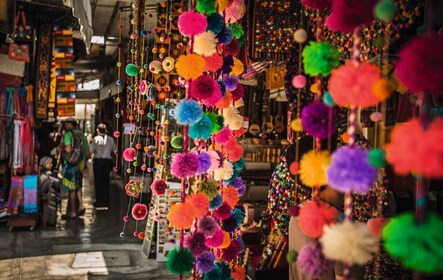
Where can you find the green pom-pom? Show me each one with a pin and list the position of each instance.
(217, 122)
(328, 100)
(177, 142)
(180, 262)
(241, 41)
(206, 6)
(418, 246)
(209, 188)
(131, 70)
(237, 30)
(385, 10)
(291, 256)
(376, 158)
(320, 58)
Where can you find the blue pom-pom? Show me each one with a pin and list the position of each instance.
(225, 36)
(239, 215)
(222, 87)
(328, 100)
(201, 129)
(214, 274)
(188, 112)
(240, 164)
(215, 23)
(216, 202)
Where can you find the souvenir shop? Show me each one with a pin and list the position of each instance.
(276, 139)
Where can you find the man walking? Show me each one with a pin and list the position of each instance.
(101, 149)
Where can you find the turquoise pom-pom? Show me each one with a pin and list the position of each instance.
(201, 129)
(376, 158)
(188, 112)
(328, 100)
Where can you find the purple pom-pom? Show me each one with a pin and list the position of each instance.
(229, 224)
(196, 243)
(185, 165)
(208, 226)
(239, 185)
(205, 162)
(350, 170)
(318, 4)
(230, 82)
(230, 253)
(205, 262)
(345, 17)
(312, 262)
(225, 36)
(315, 120)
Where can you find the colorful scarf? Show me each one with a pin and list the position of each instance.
(30, 194)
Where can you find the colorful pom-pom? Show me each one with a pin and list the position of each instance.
(299, 81)
(230, 82)
(185, 165)
(195, 242)
(291, 256)
(232, 48)
(190, 66)
(350, 170)
(205, 44)
(328, 100)
(131, 70)
(320, 59)
(216, 202)
(158, 187)
(200, 202)
(239, 216)
(209, 188)
(376, 158)
(205, 162)
(232, 251)
(129, 154)
(345, 17)
(215, 22)
(217, 122)
(207, 225)
(385, 10)
(300, 35)
(205, 262)
(139, 211)
(230, 196)
(180, 261)
(177, 142)
(201, 129)
(205, 89)
(418, 246)
(314, 216)
(213, 62)
(188, 112)
(239, 185)
(216, 240)
(317, 121)
(181, 215)
(312, 262)
(223, 212)
(191, 23)
(229, 224)
(206, 6)
(313, 167)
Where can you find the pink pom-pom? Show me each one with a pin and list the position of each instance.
(238, 92)
(376, 116)
(205, 89)
(158, 187)
(129, 154)
(223, 136)
(351, 85)
(314, 215)
(216, 160)
(116, 134)
(192, 23)
(223, 212)
(376, 225)
(234, 12)
(232, 48)
(421, 64)
(213, 62)
(345, 17)
(299, 81)
(318, 4)
(216, 240)
(185, 165)
(201, 203)
(233, 150)
(125, 218)
(414, 150)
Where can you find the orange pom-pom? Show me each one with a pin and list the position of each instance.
(226, 240)
(200, 202)
(225, 101)
(230, 195)
(376, 225)
(382, 89)
(314, 215)
(294, 168)
(182, 215)
(213, 62)
(238, 273)
(345, 137)
(233, 149)
(190, 66)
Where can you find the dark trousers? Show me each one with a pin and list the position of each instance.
(102, 168)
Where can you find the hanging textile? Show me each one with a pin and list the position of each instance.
(23, 149)
(15, 201)
(30, 194)
(16, 151)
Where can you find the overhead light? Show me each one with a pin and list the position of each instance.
(99, 40)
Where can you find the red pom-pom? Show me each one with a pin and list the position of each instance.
(345, 17)
(139, 211)
(205, 89)
(223, 212)
(200, 202)
(376, 225)
(213, 62)
(314, 215)
(294, 168)
(233, 150)
(238, 92)
(232, 48)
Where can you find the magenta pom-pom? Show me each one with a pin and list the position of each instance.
(294, 210)
(238, 92)
(185, 165)
(196, 243)
(216, 240)
(158, 187)
(205, 89)
(316, 121)
(299, 81)
(345, 16)
(192, 23)
(350, 170)
(129, 154)
(421, 64)
(116, 134)
(312, 262)
(125, 218)
(223, 136)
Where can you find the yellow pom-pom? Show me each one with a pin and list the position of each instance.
(238, 67)
(296, 125)
(382, 89)
(313, 168)
(230, 195)
(190, 66)
(182, 215)
(314, 89)
(226, 240)
(222, 5)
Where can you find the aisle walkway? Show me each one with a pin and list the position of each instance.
(86, 248)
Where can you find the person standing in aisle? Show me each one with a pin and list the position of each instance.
(75, 152)
(101, 149)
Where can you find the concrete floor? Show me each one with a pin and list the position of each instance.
(89, 247)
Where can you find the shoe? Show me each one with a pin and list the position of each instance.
(81, 211)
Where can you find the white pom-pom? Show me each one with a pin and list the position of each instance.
(232, 118)
(205, 43)
(350, 243)
(225, 172)
(300, 35)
